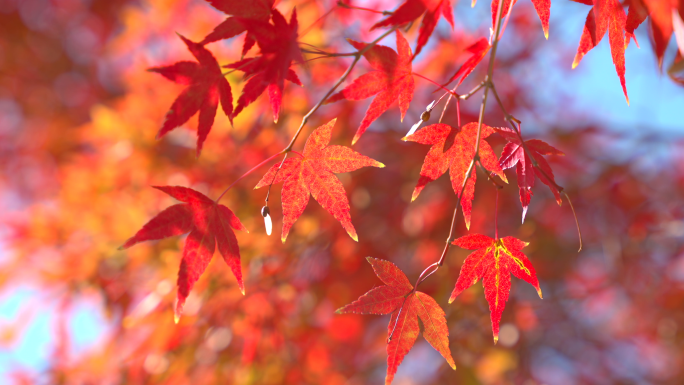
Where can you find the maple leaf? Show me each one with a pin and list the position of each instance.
(278, 47)
(206, 86)
(312, 174)
(478, 49)
(391, 80)
(412, 9)
(605, 15)
(662, 14)
(636, 15)
(452, 149)
(407, 306)
(210, 226)
(543, 8)
(493, 262)
(514, 154)
(259, 10)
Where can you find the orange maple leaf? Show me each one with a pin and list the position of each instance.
(312, 174)
(407, 306)
(391, 80)
(452, 149)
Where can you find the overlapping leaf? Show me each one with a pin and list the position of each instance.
(210, 225)
(493, 262)
(206, 86)
(240, 10)
(665, 16)
(267, 72)
(606, 15)
(412, 9)
(478, 49)
(543, 8)
(636, 15)
(407, 307)
(453, 149)
(514, 154)
(313, 175)
(391, 80)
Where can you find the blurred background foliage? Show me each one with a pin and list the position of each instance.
(78, 119)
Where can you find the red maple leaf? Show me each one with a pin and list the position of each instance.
(514, 154)
(407, 306)
(312, 174)
(267, 72)
(543, 8)
(391, 80)
(635, 16)
(206, 85)
(210, 225)
(492, 262)
(478, 49)
(452, 149)
(605, 15)
(662, 26)
(412, 9)
(259, 10)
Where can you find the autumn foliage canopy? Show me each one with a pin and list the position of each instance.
(300, 96)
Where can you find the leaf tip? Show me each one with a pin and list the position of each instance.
(575, 63)
(546, 33)
(354, 236)
(496, 338)
(380, 165)
(178, 310)
(415, 194)
(540, 293)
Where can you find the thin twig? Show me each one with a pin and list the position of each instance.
(247, 173)
(579, 232)
(476, 158)
(437, 84)
(357, 57)
(510, 119)
(344, 5)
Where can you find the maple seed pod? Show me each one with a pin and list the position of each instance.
(266, 213)
(425, 116)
